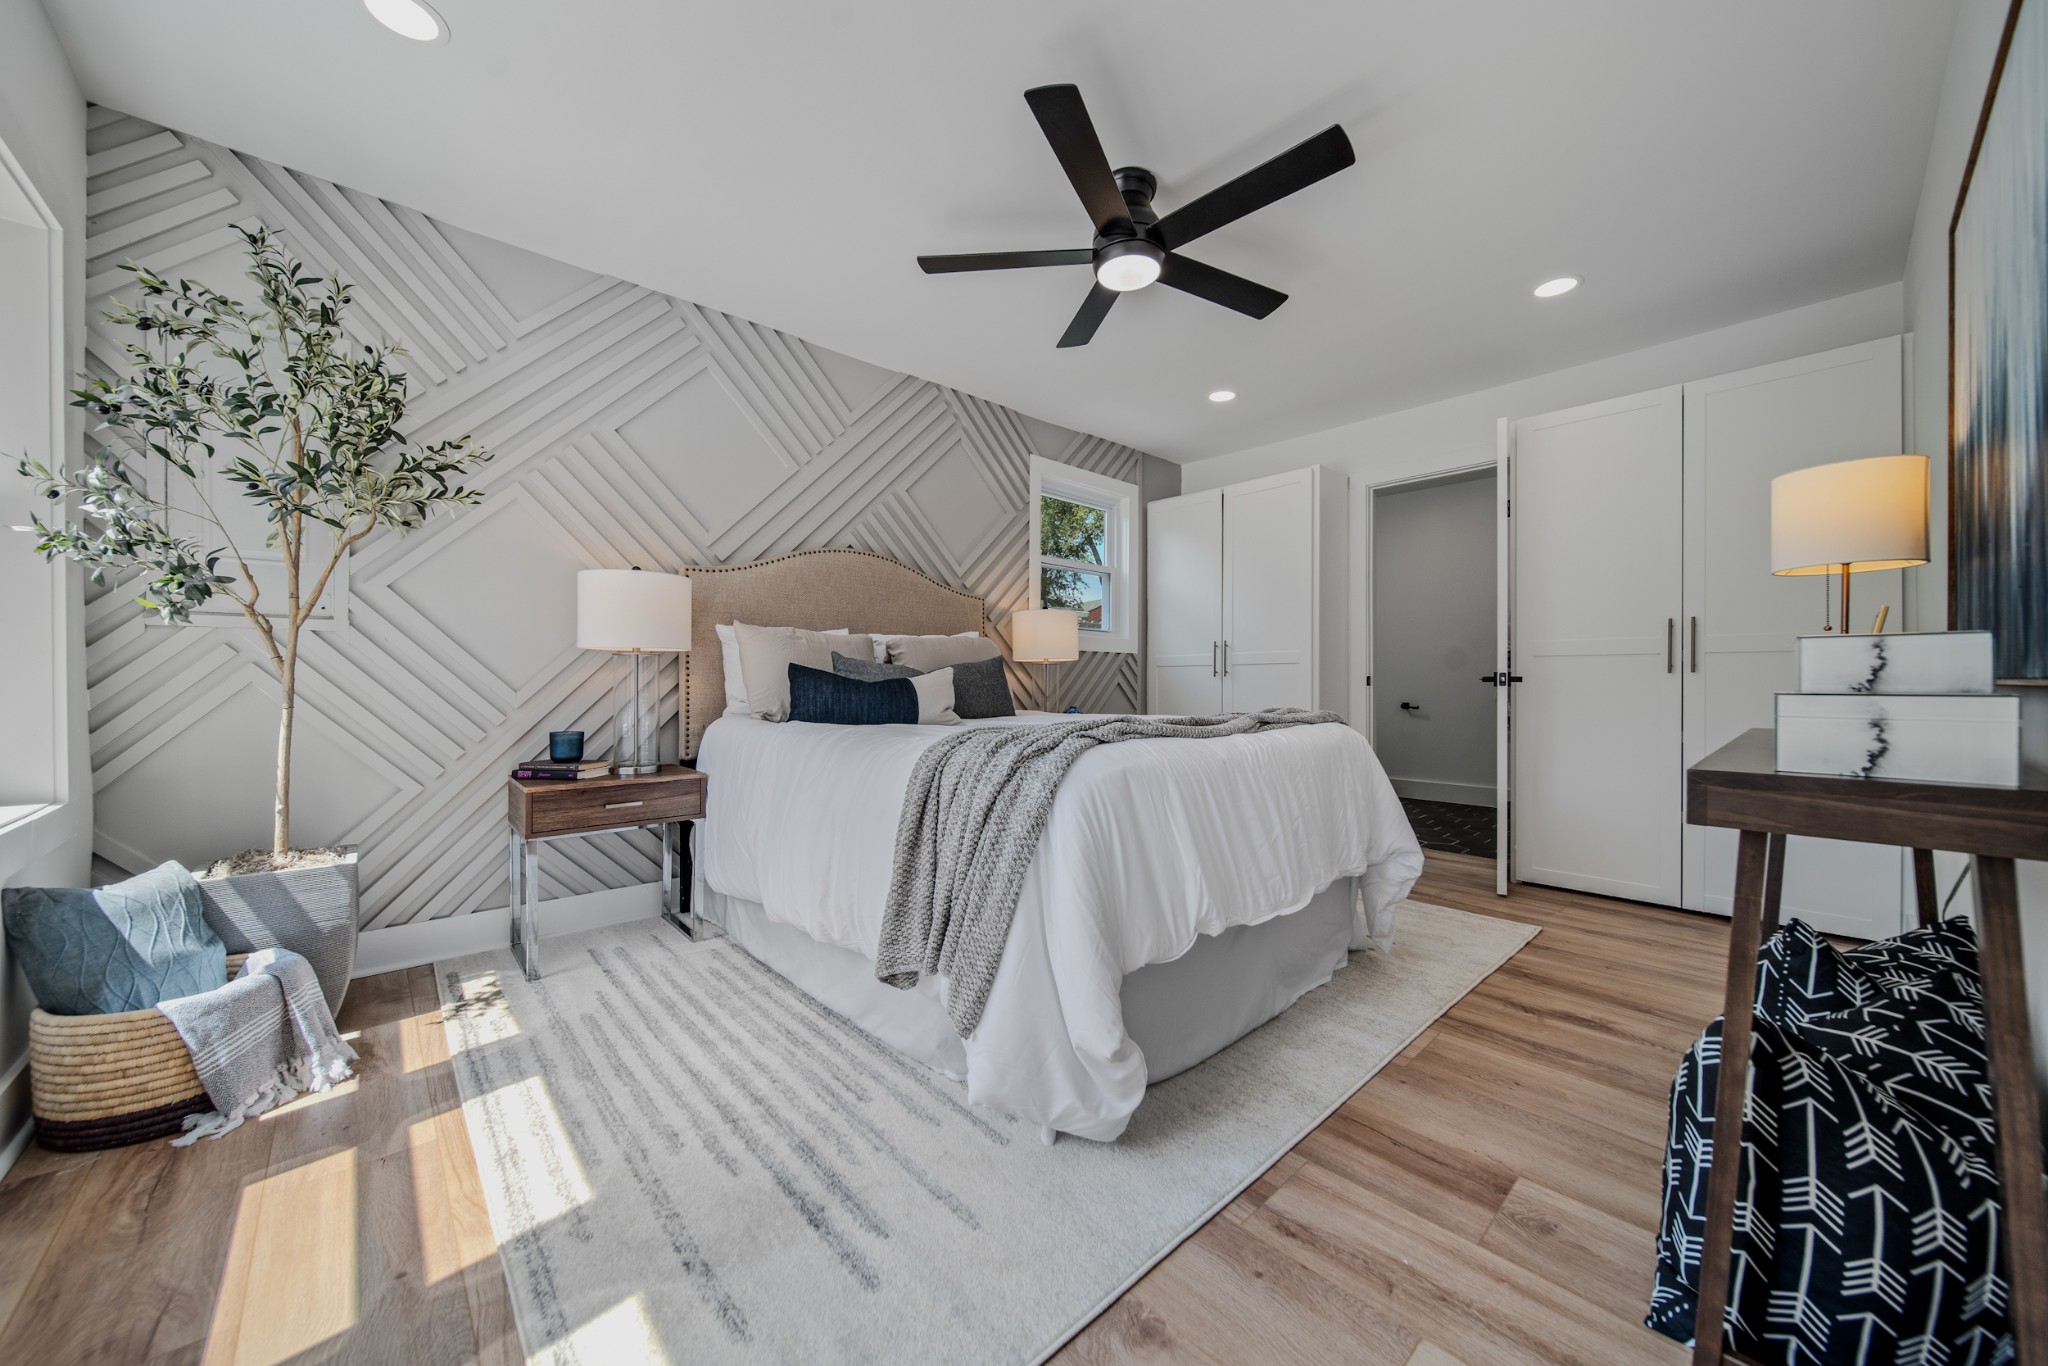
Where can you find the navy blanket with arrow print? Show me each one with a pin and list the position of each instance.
(1867, 1223)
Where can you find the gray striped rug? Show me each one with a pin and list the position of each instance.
(687, 1159)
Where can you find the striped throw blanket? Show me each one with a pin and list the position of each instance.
(258, 1041)
(976, 805)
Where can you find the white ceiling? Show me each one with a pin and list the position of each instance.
(1699, 163)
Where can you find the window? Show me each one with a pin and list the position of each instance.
(1083, 530)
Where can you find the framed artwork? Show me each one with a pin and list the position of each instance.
(1998, 360)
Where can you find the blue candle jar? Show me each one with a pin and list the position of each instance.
(565, 746)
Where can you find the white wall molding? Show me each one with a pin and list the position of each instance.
(629, 428)
(1431, 790)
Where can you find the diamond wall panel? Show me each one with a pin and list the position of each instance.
(630, 428)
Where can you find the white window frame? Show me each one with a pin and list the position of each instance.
(1123, 570)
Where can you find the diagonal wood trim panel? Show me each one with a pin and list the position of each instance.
(631, 428)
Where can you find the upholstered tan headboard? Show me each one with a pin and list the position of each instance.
(817, 590)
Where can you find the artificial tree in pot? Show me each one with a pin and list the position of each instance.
(276, 402)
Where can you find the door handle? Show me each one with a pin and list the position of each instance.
(1670, 643)
(1213, 670)
(1226, 659)
(1692, 647)
(1409, 706)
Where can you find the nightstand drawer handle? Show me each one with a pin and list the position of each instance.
(614, 806)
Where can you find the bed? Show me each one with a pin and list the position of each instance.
(1184, 891)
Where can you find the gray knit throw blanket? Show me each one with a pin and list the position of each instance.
(258, 1041)
(976, 805)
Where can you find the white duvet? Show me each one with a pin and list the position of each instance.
(1151, 843)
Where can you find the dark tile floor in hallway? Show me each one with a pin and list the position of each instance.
(1451, 826)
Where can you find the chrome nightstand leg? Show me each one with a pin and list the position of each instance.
(512, 880)
(529, 912)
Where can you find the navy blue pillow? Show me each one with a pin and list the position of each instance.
(830, 700)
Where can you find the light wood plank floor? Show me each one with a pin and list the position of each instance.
(1490, 1197)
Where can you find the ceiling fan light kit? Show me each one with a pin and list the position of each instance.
(1135, 247)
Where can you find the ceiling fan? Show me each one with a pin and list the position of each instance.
(1134, 246)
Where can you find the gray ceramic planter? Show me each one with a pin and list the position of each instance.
(311, 911)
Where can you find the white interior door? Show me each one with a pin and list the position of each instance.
(1184, 617)
(1270, 545)
(1741, 431)
(1596, 722)
(1503, 653)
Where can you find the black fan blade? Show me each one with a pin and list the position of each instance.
(1004, 260)
(1072, 135)
(1297, 168)
(1219, 286)
(1094, 309)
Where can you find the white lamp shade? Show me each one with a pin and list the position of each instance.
(1865, 514)
(632, 609)
(1045, 635)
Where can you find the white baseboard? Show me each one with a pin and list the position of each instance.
(408, 946)
(1430, 790)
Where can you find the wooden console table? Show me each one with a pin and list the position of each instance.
(1738, 787)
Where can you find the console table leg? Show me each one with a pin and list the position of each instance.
(1774, 886)
(1926, 896)
(2017, 1105)
(1731, 1091)
(518, 947)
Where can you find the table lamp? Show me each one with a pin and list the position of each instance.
(1046, 635)
(1853, 516)
(634, 613)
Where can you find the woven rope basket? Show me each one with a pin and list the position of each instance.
(101, 1081)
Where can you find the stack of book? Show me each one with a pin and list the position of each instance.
(1919, 706)
(544, 768)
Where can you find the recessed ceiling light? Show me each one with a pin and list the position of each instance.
(1222, 395)
(413, 19)
(1563, 284)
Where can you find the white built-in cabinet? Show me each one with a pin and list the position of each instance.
(1648, 629)
(1246, 600)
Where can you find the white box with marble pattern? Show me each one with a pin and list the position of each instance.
(1904, 662)
(1951, 739)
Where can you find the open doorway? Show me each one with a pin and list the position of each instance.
(1433, 621)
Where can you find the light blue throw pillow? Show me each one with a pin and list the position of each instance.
(122, 947)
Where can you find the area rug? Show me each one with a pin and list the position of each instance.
(687, 1159)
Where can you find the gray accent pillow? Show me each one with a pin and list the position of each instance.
(981, 689)
(925, 653)
(868, 671)
(97, 951)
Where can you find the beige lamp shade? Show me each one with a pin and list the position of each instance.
(632, 610)
(1855, 514)
(1045, 635)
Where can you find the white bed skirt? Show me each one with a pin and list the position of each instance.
(1178, 1012)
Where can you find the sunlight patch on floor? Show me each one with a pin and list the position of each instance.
(622, 1333)
(290, 1282)
(535, 1143)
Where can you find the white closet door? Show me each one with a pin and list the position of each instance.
(1270, 545)
(1597, 785)
(1741, 431)
(1184, 595)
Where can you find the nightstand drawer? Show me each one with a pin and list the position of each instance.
(539, 810)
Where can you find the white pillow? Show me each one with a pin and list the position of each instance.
(735, 677)
(882, 643)
(935, 698)
(766, 652)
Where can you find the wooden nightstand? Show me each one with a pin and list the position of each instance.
(552, 810)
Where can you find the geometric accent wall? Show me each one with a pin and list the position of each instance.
(630, 428)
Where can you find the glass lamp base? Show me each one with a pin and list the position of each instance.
(636, 720)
